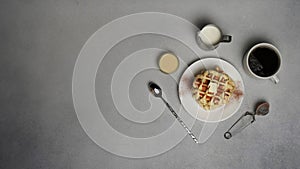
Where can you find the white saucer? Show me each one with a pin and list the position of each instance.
(193, 108)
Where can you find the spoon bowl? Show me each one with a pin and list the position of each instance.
(262, 109)
(155, 89)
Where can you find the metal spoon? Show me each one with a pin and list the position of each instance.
(247, 119)
(157, 92)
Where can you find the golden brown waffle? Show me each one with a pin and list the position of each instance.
(212, 89)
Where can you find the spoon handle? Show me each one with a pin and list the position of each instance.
(180, 121)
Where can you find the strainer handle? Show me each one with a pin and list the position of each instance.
(245, 120)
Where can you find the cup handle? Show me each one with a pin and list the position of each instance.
(226, 38)
(275, 79)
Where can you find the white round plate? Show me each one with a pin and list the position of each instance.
(193, 108)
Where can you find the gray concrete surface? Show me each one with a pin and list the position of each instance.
(40, 41)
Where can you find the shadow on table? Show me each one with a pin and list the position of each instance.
(201, 22)
(253, 41)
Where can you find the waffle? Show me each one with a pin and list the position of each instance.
(212, 89)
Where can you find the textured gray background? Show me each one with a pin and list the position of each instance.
(40, 41)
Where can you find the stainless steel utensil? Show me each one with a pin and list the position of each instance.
(157, 92)
(247, 119)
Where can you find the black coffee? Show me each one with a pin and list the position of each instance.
(263, 61)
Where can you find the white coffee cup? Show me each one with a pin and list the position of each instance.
(260, 57)
(210, 36)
